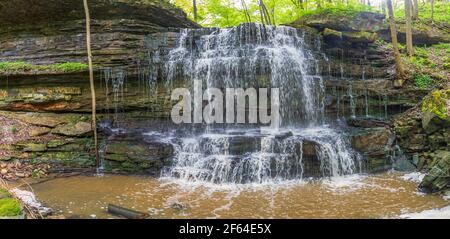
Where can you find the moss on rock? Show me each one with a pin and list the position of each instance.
(10, 207)
(437, 103)
(435, 113)
(21, 68)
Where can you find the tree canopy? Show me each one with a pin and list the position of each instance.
(226, 13)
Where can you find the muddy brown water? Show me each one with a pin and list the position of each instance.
(378, 196)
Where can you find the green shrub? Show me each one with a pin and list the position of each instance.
(423, 81)
(422, 61)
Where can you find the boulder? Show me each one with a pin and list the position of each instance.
(438, 177)
(435, 113)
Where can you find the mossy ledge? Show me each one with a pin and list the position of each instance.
(17, 68)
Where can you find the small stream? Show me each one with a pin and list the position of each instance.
(385, 195)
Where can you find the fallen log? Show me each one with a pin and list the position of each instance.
(126, 213)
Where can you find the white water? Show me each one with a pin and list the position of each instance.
(252, 55)
(441, 213)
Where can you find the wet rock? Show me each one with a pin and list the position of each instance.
(372, 140)
(78, 129)
(238, 145)
(135, 157)
(284, 135)
(178, 206)
(402, 164)
(309, 149)
(366, 123)
(438, 177)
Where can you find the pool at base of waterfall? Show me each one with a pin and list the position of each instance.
(386, 195)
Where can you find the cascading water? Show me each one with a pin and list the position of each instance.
(253, 55)
(256, 56)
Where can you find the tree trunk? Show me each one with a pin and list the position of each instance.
(248, 18)
(194, 4)
(415, 15)
(265, 17)
(91, 80)
(409, 44)
(126, 213)
(393, 27)
(432, 9)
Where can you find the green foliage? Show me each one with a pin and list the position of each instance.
(443, 46)
(225, 13)
(422, 61)
(436, 103)
(69, 67)
(441, 11)
(9, 207)
(431, 59)
(20, 66)
(222, 13)
(423, 81)
(340, 9)
(14, 66)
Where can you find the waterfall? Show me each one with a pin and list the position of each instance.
(253, 55)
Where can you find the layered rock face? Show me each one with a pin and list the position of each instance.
(45, 114)
(53, 31)
(360, 70)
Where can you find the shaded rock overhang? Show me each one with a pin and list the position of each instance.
(33, 12)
